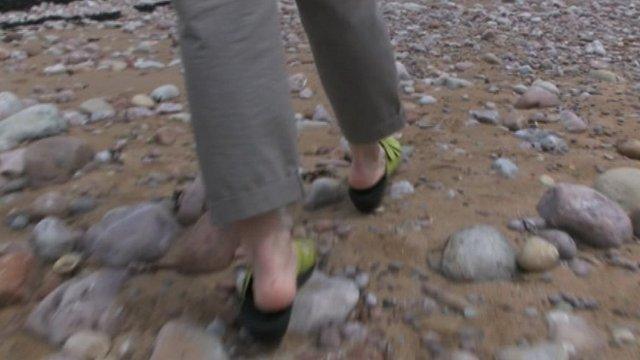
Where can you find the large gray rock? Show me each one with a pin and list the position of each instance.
(52, 238)
(542, 351)
(179, 340)
(575, 334)
(322, 301)
(478, 253)
(586, 214)
(621, 185)
(132, 234)
(56, 159)
(9, 104)
(31, 123)
(87, 303)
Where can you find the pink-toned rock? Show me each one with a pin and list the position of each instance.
(16, 274)
(537, 97)
(56, 159)
(192, 202)
(572, 123)
(199, 250)
(586, 214)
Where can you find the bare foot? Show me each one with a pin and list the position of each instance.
(367, 165)
(267, 240)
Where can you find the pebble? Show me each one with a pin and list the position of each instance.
(541, 351)
(89, 304)
(514, 121)
(52, 238)
(297, 82)
(486, 116)
(9, 104)
(621, 185)
(623, 336)
(478, 253)
(131, 234)
(57, 69)
(54, 160)
(67, 263)
(306, 93)
(537, 97)
(142, 100)
(323, 300)
(574, 333)
(401, 189)
(98, 109)
(562, 241)
(51, 203)
(362, 280)
(354, 332)
(165, 93)
(403, 74)
(604, 75)
(324, 192)
(427, 100)
(546, 85)
(82, 205)
(90, 345)
(585, 214)
(630, 148)
(144, 64)
(18, 222)
(538, 255)
(572, 123)
(580, 267)
(180, 340)
(321, 114)
(547, 180)
(169, 108)
(505, 167)
(16, 274)
(34, 122)
(491, 58)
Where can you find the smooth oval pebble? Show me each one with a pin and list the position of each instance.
(143, 100)
(538, 255)
(67, 263)
(630, 148)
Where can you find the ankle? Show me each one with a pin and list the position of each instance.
(363, 154)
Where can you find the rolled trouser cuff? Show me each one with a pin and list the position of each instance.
(273, 195)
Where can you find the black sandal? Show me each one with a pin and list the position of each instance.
(367, 200)
(269, 328)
